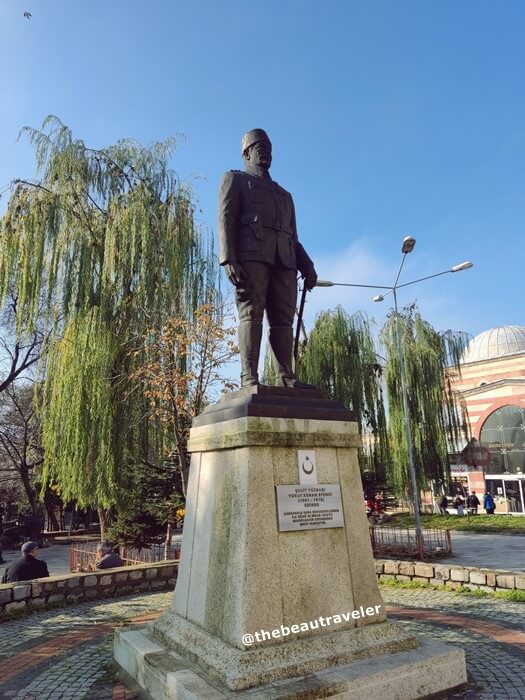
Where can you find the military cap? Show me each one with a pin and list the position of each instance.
(252, 137)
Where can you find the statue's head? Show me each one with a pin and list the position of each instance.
(256, 148)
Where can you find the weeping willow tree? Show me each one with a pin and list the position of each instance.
(340, 359)
(107, 238)
(436, 419)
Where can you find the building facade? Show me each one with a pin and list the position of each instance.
(492, 384)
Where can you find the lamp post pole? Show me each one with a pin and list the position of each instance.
(407, 247)
(408, 429)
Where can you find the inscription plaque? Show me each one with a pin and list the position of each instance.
(312, 507)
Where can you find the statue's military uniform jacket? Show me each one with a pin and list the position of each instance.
(257, 223)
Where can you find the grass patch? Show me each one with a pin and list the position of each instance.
(516, 596)
(392, 583)
(503, 524)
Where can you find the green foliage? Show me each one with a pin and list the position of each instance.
(107, 238)
(340, 359)
(152, 502)
(504, 524)
(415, 584)
(514, 595)
(270, 375)
(435, 421)
(82, 404)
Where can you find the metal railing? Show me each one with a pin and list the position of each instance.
(388, 541)
(83, 557)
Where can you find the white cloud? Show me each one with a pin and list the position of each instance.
(442, 304)
(354, 265)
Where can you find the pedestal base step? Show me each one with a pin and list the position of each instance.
(432, 668)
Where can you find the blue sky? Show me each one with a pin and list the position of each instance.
(388, 118)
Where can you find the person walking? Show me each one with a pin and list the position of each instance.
(443, 505)
(488, 503)
(27, 567)
(458, 504)
(473, 503)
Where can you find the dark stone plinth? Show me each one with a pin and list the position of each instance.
(274, 402)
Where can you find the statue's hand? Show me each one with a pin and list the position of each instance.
(310, 278)
(235, 273)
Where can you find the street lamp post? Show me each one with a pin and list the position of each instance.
(408, 427)
(407, 247)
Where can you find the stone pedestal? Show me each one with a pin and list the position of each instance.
(309, 598)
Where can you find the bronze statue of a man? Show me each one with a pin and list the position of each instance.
(261, 253)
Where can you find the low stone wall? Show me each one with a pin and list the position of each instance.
(76, 588)
(450, 575)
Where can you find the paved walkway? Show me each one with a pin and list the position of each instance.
(67, 653)
(490, 630)
(489, 551)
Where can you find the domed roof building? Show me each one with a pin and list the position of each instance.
(492, 384)
(494, 343)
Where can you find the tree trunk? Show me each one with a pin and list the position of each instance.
(167, 541)
(52, 520)
(104, 519)
(30, 493)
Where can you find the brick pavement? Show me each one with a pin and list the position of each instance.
(490, 630)
(67, 652)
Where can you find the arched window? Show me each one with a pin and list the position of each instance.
(504, 434)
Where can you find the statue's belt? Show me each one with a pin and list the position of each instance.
(274, 223)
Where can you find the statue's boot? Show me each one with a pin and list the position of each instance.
(281, 342)
(250, 334)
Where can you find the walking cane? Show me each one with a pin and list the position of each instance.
(299, 324)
